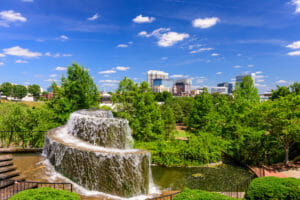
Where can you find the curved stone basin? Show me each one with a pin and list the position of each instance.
(121, 172)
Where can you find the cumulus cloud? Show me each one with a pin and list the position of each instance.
(66, 55)
(178, 76)
(122, 46)
(258, 72)
(237, 66)
(122, 68)
(281, 81)
(205, 22)
(164, 58)
(294, 53)
(18, 51)
(2, 55)
(140, 19)
(57, 55)
(64, 37)
(219, 73)
(1, 63)
(60, 68)
(201, 50)
(297, 4)
(107, 72)
(9, 16)
(166, 38)
(108, 81)
(260, 80)
(53, 75)
(30, 1)
(94, 17)
(294, 45)
(21, 61)
(215, 54)
(51, 80)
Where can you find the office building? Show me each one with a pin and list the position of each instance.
(239, 78)
(161, 85)
(220, 90)
(183, 87)
(153, 74)
(229, 86)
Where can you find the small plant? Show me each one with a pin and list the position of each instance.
(188, 194)
(45, 194)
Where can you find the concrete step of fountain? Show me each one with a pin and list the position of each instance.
(7, 169)
(6, 163)
(4, 158)
(18, 178)
(10, 174)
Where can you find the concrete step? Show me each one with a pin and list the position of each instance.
(6, 163)
(8, 175)
(7, 157)
(7, 169)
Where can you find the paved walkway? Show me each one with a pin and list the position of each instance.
(267, 172)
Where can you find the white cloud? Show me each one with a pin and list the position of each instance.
(21, 61)
(260, 85)
(9, 16)
(109, 81)
(260, 80)
(201, 50)
(239, 54)
(66, 55)
(2, 55)
(194, 46)
(140, 19)
(122, 45)
(237, 66)
(94, 17)
(281, 81)
(178, 76)
(294, 53)
(250, 65)
(130, 42)
(219, 73)
(51, 80)
(258, 72)
(166, 38)
(205, 22)
(164, 58)
(64, 37)
(53, 75)
(1, 63)
(109, 84)
(215, 54)
(122, 68)
(18, 51)
(297, 4)
(61, 68)
(259, 76)
(294, 45)
(107, 72)
(28, 1)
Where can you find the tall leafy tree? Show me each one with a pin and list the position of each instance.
(6, 88)
(35, 90)
(19, 91)
(169, 119)
(281, 91)
(246, 90)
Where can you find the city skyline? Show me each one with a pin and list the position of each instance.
(209, 42)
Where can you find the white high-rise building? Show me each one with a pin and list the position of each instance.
(153, 74)
(239, 78)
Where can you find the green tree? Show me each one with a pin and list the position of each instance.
(6, 89)
(246, 90)
(281, 91)
(77, 91)
(137, 104)
(35, 90)
(169, 120)
(19, 91)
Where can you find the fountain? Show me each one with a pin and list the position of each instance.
(94, 150)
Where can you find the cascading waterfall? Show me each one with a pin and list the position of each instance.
(94, 149)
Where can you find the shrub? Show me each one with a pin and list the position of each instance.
(267, 188)
(45, 194)
(188, 194)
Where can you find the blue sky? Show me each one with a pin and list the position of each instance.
(209, 41)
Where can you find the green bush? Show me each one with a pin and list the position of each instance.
(45, 194)
(273, 188)
(188, 194)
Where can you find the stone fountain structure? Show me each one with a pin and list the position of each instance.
(94, 150)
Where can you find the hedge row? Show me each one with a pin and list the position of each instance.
(188, 194)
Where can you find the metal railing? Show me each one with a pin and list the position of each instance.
(13, 187)
(238, 190)
(24, 139)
